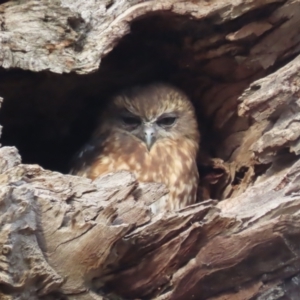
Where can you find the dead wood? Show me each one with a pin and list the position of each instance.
(66, 237)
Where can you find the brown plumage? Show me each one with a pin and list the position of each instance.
(151, 131)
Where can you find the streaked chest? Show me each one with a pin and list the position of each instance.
(166, 162)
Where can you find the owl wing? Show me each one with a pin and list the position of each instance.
(85, 157)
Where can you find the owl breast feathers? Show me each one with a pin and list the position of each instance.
(151, 131)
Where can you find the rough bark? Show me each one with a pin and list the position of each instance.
(65, 237)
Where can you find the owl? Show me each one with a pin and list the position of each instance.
(152, 132)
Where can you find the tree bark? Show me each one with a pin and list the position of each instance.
(66, 237)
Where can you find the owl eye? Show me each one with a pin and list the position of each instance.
(166, 121)
(131, 121)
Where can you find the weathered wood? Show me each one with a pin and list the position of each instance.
(65, 237)
(64, 36)
(91, 243)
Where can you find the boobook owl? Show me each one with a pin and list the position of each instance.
(151, 131)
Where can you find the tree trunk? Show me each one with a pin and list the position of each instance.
(66, 237)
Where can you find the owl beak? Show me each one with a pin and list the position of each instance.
(150, 136)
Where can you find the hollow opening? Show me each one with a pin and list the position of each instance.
(48, 117)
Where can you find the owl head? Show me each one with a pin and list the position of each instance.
(152, 114)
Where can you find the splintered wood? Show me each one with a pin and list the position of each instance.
(66, 237)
